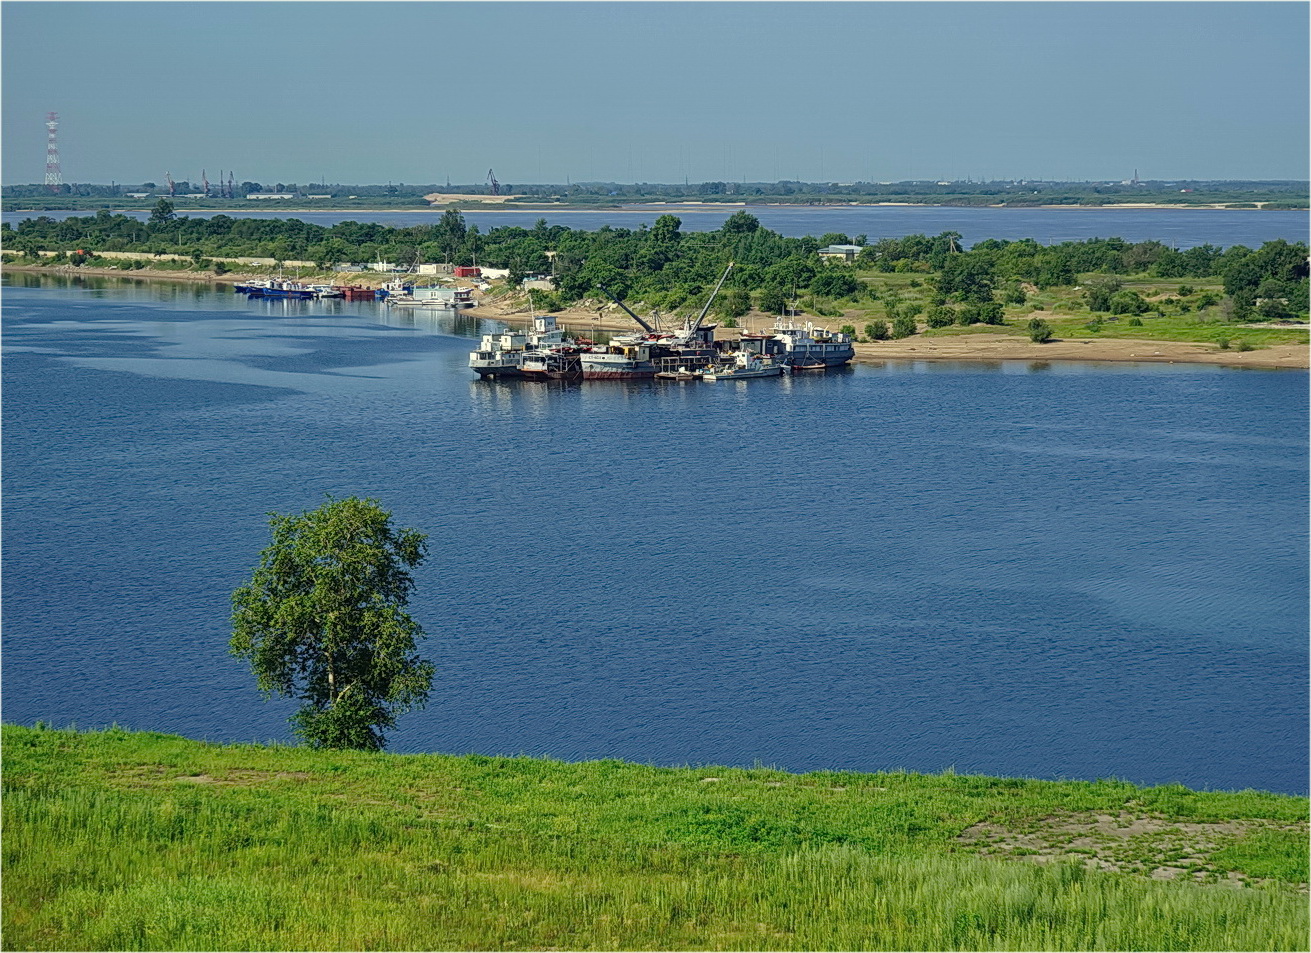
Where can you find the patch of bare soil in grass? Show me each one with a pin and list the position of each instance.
(1155, 847)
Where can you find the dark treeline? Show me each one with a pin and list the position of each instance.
(1271, 193)
(668, 269)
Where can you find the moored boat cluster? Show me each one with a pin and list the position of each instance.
(394, 292)
(545, 353)
(687, 353)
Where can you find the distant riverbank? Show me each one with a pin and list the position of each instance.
(480, 205)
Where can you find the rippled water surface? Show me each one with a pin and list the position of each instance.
(1047, 570)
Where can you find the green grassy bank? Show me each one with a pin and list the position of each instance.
(121, 840)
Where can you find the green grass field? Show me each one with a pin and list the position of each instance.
(119, 840)
(1066, 310)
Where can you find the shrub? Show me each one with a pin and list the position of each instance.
(835, 284)
(903, 327)
(877, 330)
(772, 300)
(1223, 343)
(1126, 302)
(1100, 291)
(734, 304)
(849, 330)
(1094, 325)
(1135, 322)
(941, 317)
(1245, 345)
(1185, 290)
(1040, 332)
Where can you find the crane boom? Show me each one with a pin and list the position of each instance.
(631, 313)
(702, 316)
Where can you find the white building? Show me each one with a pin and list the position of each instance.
(845, 252)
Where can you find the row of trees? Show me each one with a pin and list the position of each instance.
(670, 270)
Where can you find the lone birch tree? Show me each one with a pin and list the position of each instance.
(324, 619)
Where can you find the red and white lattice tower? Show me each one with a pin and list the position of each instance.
(54, 178)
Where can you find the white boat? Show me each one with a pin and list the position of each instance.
(327, 291)
(743, 366)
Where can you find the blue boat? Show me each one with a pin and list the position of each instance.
(276, 288)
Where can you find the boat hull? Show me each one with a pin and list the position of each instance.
(611, 374)
(808, 358)
(615, 367)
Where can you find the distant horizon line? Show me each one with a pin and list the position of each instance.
(689, 184)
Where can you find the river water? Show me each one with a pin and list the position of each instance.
(1031, 569)
(1180, 228)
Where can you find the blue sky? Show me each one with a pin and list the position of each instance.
(420, 92)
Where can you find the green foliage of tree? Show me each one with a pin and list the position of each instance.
(1128, 302)
(324, 620)
(968, 278)
(903, 326)
(835, 282)
(1099, 291)
(877, 330)
(740, 222)
(733, 303)
(941, 317)
(163, 213)
(772, 300)
(657, 263)
(1040, 332)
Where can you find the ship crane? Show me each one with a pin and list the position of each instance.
(691, 329)
(702, 316)
(496, 186)
(631, 313)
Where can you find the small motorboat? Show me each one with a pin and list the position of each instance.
(745, 364)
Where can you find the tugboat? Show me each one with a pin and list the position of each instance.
(802, 347)
(550, 355)
(499, 354)
(542, 353)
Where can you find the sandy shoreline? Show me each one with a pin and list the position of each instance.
(919, 347)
